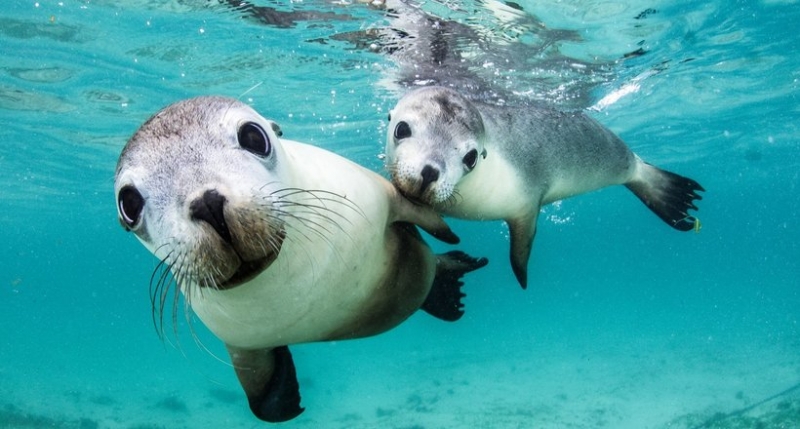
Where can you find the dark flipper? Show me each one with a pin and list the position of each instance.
(522, 231)
(444, 299)
(668, 195)
(269, 379)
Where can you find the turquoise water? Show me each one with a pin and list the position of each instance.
(626, 323)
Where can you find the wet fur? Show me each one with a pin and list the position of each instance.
(532, 156)
(340, 251)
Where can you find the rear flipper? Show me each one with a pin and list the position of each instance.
(668, 195)
(444, 299)
(270, 382)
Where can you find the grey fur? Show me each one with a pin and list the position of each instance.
(530, 156)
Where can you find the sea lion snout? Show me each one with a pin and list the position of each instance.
(428, 185)
(429, 175)
(244, 251)
(234, 236)
(209, 208)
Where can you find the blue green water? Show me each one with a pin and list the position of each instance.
(626, 323)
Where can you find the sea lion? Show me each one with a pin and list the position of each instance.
(275, 242)
(481, 161)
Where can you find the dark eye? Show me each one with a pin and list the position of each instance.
(402, 130)
(470, 159)
(130, 204)
(254, 139)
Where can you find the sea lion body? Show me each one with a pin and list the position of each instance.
(345, 281)
(480, 161)
(275, 242)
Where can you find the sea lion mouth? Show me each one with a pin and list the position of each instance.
(426, 199)
(412, 197)
(248, 270)
(415, 200)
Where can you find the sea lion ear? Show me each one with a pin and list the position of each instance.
(276, 128)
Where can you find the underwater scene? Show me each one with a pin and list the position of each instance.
(624, 322)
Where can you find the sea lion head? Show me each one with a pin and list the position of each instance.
(200, 185)
(435, 138)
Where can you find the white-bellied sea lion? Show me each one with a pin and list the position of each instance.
(274, 242)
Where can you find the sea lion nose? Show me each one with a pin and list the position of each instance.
(429, 175)
(208, 208)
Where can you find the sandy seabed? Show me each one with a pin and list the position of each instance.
(398, 381)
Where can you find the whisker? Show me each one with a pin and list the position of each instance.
(454, 199)
(179, 279)
(307, 217)
(321, 210)
(315, 209)
(159, 285)
(249, 90)
(390, 168)
(189, 291)
(166, 280)
(318, 218)
(308, 225)
(319, 195)
(303, 232)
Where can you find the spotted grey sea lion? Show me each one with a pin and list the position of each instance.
(274, 242)
(482, 161)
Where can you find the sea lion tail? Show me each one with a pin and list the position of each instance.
(668, 195)
(444, 299)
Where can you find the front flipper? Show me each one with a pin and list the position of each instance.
(522, 231)
(269, 380)
(425, 217)
(444, 299)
